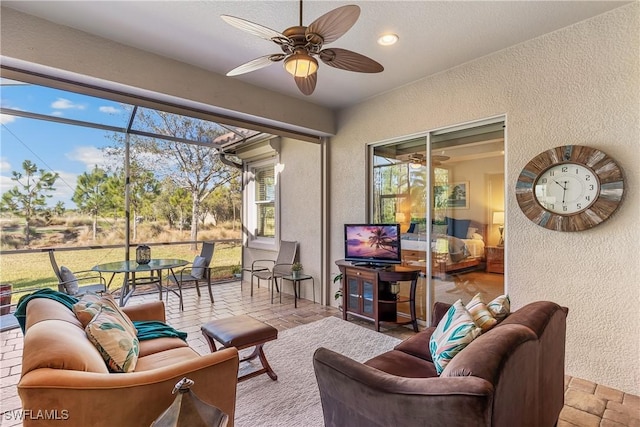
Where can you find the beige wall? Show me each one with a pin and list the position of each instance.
(578, 85)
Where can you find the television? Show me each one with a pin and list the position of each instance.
(375, 244)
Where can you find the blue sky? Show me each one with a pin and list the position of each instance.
(65, 149)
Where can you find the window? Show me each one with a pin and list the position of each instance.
(261, 203)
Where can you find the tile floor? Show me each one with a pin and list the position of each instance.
(586, 404)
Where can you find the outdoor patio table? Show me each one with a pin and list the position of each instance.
(132, 268)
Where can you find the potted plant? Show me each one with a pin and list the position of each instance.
(296, 270)
(338, 294)
(236, 270)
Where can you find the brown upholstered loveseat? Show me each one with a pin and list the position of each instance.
(512, 375)
(63, 373)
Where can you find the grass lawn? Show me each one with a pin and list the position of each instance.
(34, 270)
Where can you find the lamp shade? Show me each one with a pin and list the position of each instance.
(498, 218)
(300, 65)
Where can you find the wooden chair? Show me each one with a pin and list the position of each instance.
(390, 298)
(68, 279)
(190, 273)
(278, 268)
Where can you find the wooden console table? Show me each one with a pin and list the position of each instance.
(366, 293)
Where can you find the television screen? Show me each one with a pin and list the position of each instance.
(372, 243)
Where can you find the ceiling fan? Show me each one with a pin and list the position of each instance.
(419, 159)
(302, 44)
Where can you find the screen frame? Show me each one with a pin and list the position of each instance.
(376, 260)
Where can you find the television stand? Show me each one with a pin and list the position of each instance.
(366, 295)
(377, 266)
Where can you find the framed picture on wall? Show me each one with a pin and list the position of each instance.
(453, 195)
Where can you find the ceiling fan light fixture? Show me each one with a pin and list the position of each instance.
(301, 64)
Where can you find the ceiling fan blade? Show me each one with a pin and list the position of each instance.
(256, 64)
(255, 29)
(307, 84)
(350, 61)
(333, 24)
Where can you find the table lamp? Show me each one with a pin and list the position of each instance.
(498, 219)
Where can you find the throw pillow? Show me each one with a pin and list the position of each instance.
(197, 269)
(454, 332)
(500, 307)
(471, 231)
(90, 305)
(70, 281)
(117, 346)
(439, 229)
(480, 313)
(457, 227)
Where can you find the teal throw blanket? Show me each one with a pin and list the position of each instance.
(147, 329)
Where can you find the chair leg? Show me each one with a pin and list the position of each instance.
(210, 291)
(198, 288)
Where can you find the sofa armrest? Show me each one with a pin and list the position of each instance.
(153, 310)
(131, 399)
(358, 395)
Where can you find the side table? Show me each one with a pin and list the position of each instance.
(495, 259)
(296, 281)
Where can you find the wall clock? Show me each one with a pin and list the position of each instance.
(570, 188)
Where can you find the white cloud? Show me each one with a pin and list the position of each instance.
(108, 109)
(64, 188)
(6, 119)
(89, 155)
(65, 104)
(5, 166)
(6, 184)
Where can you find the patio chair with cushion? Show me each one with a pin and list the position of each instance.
(278, 268)
(199, 271)
(77, 283)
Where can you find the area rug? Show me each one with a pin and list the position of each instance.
(293, 400)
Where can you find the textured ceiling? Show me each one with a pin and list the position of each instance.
(434, 36)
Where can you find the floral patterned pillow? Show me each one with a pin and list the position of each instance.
(454, 332)
(113, 339)
(91, 304)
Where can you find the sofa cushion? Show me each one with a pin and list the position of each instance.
(59, 344)
(165, 358)
(157, 345)
(500, 307)
(401, 364)
(418, 344)
(454, 332)
(480, 313)
(114, 340)
(70, 281)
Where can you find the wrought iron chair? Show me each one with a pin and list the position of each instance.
(70, 282)
(198, 271)
(278, 268)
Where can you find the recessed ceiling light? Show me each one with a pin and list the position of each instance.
(387, 39)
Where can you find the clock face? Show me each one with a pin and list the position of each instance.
(570, 188)
(567, 188)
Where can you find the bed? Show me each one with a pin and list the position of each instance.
(457, 245)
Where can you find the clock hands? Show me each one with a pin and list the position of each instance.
(564, 188)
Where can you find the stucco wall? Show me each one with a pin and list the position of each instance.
(578, 85)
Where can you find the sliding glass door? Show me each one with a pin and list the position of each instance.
(446, 190)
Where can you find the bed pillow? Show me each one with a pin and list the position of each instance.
(71, 281)
(197, 269)
(116, 344)
(480, 313)
(454, 332)
(471, 231)
(500, 307)
(457, 227)
(439, 229)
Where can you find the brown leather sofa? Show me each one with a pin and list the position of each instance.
(63, 373)
(512, 375)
